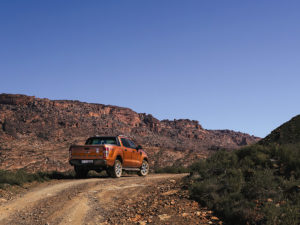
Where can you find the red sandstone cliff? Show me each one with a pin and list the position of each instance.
(35, 133)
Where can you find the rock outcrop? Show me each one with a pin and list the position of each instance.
(35, 133)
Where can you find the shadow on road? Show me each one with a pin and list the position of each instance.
(71, 175)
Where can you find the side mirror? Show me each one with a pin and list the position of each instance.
(139, 147)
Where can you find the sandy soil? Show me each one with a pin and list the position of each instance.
(127, 200)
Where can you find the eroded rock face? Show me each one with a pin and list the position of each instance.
(35, 133)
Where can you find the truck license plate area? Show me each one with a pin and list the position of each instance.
(86, 161)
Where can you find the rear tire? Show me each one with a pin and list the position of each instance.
(144, 170)
(80, 172)
(116, 170)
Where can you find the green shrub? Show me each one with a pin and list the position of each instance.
(254, 185)
(20, 177)
(17, 178)
(172, 169)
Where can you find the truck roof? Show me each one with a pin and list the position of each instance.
(109, 136)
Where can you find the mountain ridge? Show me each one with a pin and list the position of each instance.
(38, 127)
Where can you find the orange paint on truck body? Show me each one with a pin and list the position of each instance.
(101, 152)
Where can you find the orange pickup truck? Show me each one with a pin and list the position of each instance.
(113, 154)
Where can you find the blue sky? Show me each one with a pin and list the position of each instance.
(228, 64)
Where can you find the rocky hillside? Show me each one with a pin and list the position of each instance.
(287, 133)
(35, 133)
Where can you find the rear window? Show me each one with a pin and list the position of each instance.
(101, 141)
(132, 145)
(125, 142)
(128, 143)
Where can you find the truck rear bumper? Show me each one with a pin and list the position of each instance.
(93, 163)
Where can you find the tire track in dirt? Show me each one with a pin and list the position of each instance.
(36, 195)
(74, 202)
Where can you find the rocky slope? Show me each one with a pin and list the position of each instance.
(287, 133)
(35, 133)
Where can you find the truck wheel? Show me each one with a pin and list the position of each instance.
(116, 170)
(81, 172)
(144, 170)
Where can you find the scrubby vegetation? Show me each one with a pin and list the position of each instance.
(172, 169)
(287, 133)
(20, 177)
(259, 184)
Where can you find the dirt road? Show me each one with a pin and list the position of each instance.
(96, 201)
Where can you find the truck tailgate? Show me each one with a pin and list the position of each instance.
(86, 151)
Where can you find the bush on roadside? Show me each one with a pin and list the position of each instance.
(20, 177)
(254, 185)
(172, 169)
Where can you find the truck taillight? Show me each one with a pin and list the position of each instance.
(106, 152)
